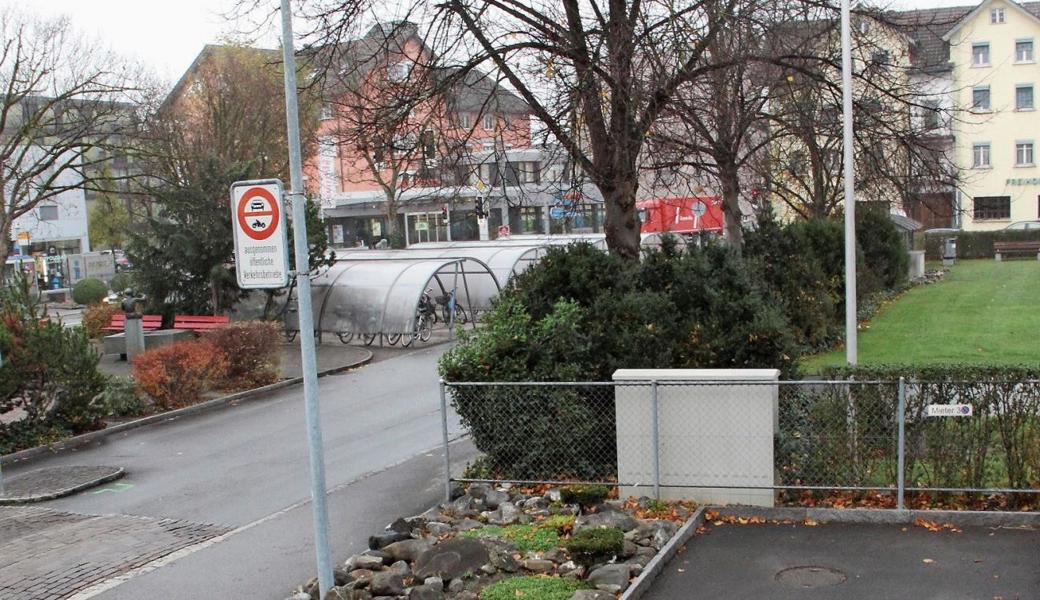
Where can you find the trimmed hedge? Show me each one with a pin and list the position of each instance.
(975, 244)
(89, 291)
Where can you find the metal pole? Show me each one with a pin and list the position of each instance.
(850, 188)
(444, 435)
(901, 450)
(656, 441)
(310, 373)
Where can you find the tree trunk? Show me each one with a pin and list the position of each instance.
(730, 180)
(622, 226)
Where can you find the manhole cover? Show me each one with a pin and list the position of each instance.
(810, 577)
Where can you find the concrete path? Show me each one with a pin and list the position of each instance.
(853, 562)
(245, 470)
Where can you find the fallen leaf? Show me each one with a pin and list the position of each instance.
(810, 523)
(681, 570)
(927, 561)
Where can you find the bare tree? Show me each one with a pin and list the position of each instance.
(63, 113)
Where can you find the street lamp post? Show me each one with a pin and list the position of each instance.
(850, 186)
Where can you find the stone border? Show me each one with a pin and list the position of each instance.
(117, 474)
(645, 581)
(202, 407)
(886, 516)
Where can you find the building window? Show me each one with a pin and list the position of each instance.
(464, 120)
(47, 213)
(997, 16)
(930, 114)
(980, 156)
(489, 122)
(326, 111)
(1024, 154)
(980, 98)
(1024, 51)
(980, 54)
(1024, 97)
(992, 207)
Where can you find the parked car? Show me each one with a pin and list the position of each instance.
(1024, 226)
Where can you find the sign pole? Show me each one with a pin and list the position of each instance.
(851, 341)
(303, 286)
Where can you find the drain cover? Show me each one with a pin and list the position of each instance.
(810, 577)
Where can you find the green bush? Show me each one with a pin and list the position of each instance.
(975, 244)
(883, 259)
(89, 291)
(561, 523)
(121, 398)
(527, 538)
(120, 282)
(533, 587)
(48, 376)
(590, 546)
(583, 494)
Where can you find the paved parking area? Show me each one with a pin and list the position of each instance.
(49, 554)
(853, 562)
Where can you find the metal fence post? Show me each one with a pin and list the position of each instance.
(655, 424)
(444, 434)
(901, 450)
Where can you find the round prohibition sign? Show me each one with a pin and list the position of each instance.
(257, 213)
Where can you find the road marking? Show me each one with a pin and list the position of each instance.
(103, 586)
(116, 488)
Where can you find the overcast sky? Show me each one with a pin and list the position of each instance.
(166, 35)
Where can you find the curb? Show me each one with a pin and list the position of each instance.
(645, 581)
(887, 516)
(195, 409)
(118, 474)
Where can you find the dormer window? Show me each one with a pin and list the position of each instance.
(997, 16)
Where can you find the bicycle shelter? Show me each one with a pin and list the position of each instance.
(379, 295)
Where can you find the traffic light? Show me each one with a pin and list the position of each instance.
(444, 211)
(478, 207)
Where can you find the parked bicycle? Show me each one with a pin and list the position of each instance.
(449, 304)
(425, 316)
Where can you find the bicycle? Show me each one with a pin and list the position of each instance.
(449, 305)
(425, 317)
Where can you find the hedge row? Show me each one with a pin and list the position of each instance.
(975, 244)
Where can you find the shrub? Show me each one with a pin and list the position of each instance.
(976, 244)
(48, 375)
(253, 350)
(590, 546)
(120, 282)
(560, 523)
(583, 494)
(527, 538)
(122, 398)
(533, 587)
(89, 291)
(96, 317)
(883, 257)
(176, 375)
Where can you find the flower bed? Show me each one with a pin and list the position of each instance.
(492, 543)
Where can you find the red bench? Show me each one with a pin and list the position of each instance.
(200, 324)
(118, 323)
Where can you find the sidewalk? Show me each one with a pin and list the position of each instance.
(853, 562)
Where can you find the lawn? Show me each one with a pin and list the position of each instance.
(984, 312)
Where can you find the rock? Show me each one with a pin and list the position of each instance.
(383, 556)
(538, 502)
(506, 514)
(539, 565)
(311, 588)
(495, 498)
(467, 524)
(541, 512)
(386, 583)
(554, 495)
(592, 595)
(488, 570)
(347, 593)
(451, 559)
(556, 555)
(433, 514)
(434, 582)
(401, 568)
(628, 549)
(456, 585)
(606, 518)
(360, 561)
(501, 553)
(407, 549)
(456, 491)
(663, 531)
(380, 541)
(609, 577)
(361, 578)
(467, 595)
(462, 505)
(478, 490)
(438, 529)
(425, 592)
(341, 575)
(400, 526)
(572, 569)
(299, 596)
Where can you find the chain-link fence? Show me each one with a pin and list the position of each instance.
(782, 439)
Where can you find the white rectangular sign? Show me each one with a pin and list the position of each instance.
(949, 410)
(261, 243)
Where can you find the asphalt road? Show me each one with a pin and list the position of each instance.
(246, 468)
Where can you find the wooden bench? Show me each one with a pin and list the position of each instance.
(118, 323)
(200, 324)
(1026, 247)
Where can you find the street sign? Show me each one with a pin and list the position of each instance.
(699, 208)
(558, 212)
(261, 242)
(503, 230)
(949, 410)
(422, 226)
